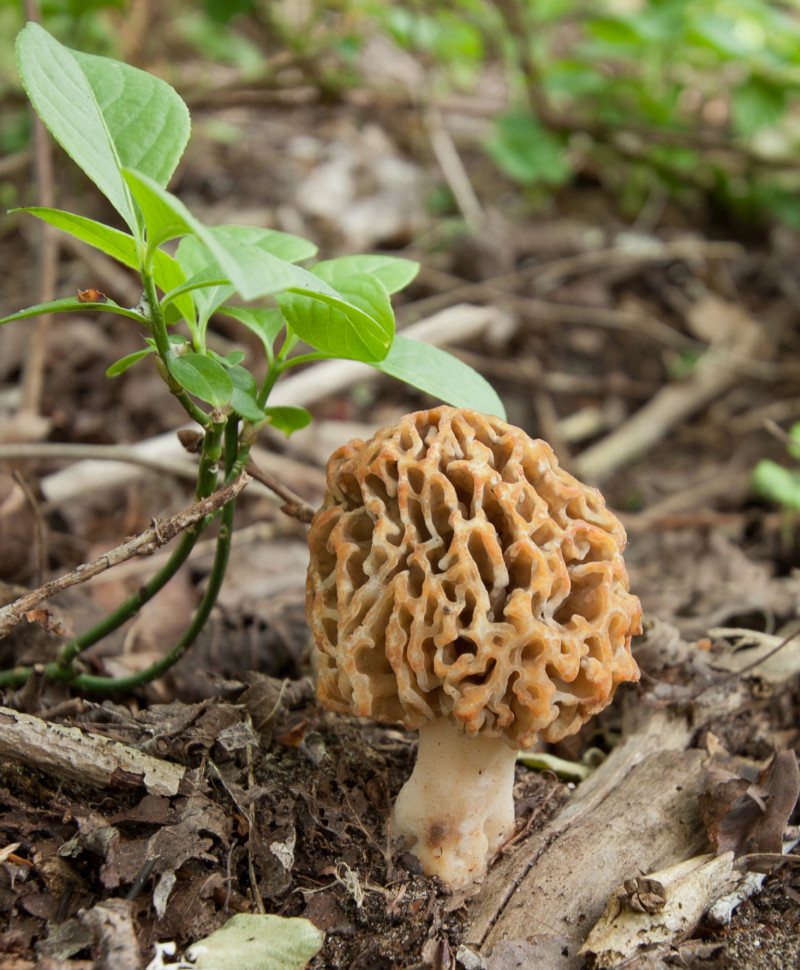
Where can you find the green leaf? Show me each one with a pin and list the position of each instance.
(250, 941)
(162, 220)
(357, 324)
(757, 103)
(367, 293)
(199, 264)
(242, 378)
(169, 277)
(105, 114)
(246, 406)
(731, 35)
(207, 280)
(70, 304)
(243, 400)
(776, 483)
(392, 271)
(122, 247)
(614, 30)
(119, 245)
(526, 151)
(793, 445)
(200, 267)
(253, 271)
(147, 119)
(121, 365)
(287, 418)
(438, 373)
(202, 377)
(265, 322)
(232, 359)
(223, 11)
(328, 328)
(575, 78)
(281, 244)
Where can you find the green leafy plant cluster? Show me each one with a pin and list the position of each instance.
(691, 97)
(127, 130)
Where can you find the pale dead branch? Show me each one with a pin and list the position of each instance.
(67, 752)
(671, 405)
(161, 532)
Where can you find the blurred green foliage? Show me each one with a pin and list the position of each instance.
(776, 483)
(688, 98)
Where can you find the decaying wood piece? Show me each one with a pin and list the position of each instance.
(636, 815)
(67, 752)
(678, 904)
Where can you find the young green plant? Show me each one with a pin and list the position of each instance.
(127, 130)
(776, 483)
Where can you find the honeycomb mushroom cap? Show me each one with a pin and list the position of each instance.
(457, 571)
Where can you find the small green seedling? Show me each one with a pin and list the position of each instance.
(127, 130)
(776, 483)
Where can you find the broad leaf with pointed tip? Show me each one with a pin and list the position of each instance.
(436, 372)
(70, 304)
(105, 114)
(113, 242)
(357, 324)
(356, 321)
(121, 365)
(162, 220)
(287, 418)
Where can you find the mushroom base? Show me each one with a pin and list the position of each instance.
(457, 808)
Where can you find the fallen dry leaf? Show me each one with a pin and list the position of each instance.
(46, 619)
(750, 816)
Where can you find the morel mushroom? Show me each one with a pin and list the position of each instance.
(465, 585)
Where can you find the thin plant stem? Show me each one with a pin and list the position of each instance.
(206, 484)
(90, 682)
(63, 668)
(208, 470)
(134, 602)
(276, 367)
(158, 328)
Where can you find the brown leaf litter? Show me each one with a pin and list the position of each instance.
(297, 829)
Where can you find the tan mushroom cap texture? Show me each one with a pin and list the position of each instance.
(457, 571)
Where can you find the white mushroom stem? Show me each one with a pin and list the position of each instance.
(457, 808)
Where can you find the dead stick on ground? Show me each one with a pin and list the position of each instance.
(161, 532)
(36, 358)
(453, 169)
(670, 406)
(69, 753)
